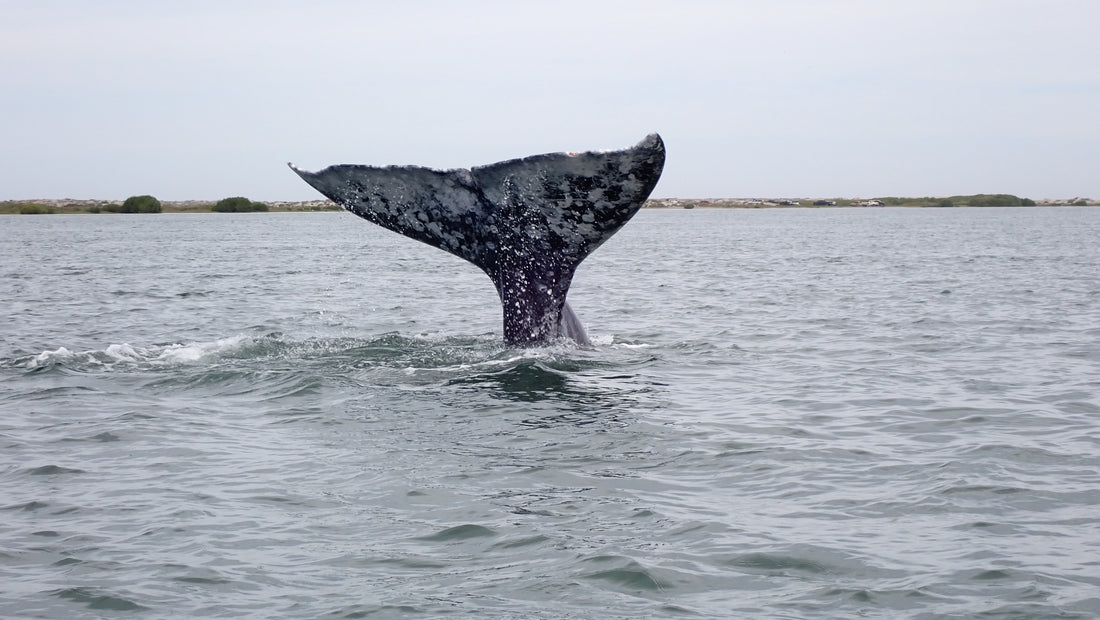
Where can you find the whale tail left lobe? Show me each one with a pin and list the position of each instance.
(527, 223)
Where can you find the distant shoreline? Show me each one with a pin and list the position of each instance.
(976, 200)
(71, 205)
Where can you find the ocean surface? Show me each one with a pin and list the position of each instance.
(803, 413)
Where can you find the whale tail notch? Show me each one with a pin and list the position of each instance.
(527, 223)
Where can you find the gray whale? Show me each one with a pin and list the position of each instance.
(527, 223)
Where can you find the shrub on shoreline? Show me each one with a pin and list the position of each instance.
(134, 204)
(237, 204)
(34, 209)
(993, 200)
(141, 204)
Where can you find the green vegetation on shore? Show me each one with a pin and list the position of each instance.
(29, 208)
(138, 204)
(133, 204)
(237, 204)
(973, 200)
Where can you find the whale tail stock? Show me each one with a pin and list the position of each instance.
(527, 223)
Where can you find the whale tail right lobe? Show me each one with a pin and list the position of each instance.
(527, 223)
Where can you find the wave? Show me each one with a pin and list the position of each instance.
(126, 354)
(294, 380)
(396, 368)
(431, 353)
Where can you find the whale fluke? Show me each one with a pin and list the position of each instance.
(527, 223)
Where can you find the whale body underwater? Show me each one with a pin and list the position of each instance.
(527, 223)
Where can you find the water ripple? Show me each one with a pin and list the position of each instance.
(796, 414)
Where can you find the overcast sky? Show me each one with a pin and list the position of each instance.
(762, 98)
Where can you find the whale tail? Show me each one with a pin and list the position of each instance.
(527, 223)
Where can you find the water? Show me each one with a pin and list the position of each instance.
(786, 414)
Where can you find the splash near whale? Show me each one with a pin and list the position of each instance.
(527, 223)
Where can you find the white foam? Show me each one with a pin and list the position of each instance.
(46, 358)
(610, 341)
(195, 351)
(125, 353)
